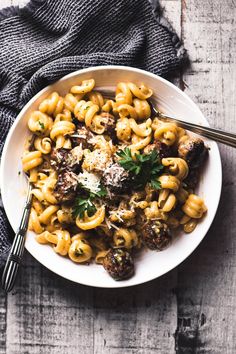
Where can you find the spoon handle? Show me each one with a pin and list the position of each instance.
(17, 249)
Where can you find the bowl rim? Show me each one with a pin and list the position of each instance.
(105, 68)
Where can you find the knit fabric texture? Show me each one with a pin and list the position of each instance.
(48, 39)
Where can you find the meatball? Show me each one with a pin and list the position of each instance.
(66, 186)
(74, 158)
(119, 264)
(191, 180)
(156, 235)
(193, 151)
(109, 124)
(162, 149)
(116, 179)
(58, 158)
(64, 159)
(82, 137)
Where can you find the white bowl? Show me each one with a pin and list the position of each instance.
(150, 264)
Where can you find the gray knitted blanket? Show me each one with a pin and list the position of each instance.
(48, 39)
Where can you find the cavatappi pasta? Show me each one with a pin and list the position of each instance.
(109, 177)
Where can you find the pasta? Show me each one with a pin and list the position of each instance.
(194, 206)
(123, 129)
(127, 238)
(176, 166)
(166, 200)
(91, 222)
(86, 86)
(44, 145)
(80, 251)
(166, 132)
(31, 160)
(40, 123)
(109, 177)
(52, 105)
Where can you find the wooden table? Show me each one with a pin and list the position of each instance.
(192, 309)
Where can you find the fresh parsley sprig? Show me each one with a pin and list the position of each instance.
(101, 193)
(145, 168)
(85, 203)
(81, 205)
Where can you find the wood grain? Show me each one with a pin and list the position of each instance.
(172, 12)
(3, 316)
(49, 314)
(138, 320)
(5, 3)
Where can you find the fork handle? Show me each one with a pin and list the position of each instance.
(211, 133)
(17, 249)
(13, 263)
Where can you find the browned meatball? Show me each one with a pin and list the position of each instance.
(192, 179)
(162, 149)
(82, 137)
(156, 235)
(119, 264)
(116, 179)
(109, 124)
(66, 186)
(58, 158)
(64, 159)
(193, 151)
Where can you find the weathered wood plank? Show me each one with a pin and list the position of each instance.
(172, 12)
(48, 314)
(5, 3)
(3, 315)
(136, 320)
(206, 281)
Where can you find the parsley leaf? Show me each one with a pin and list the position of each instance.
(101, 193)
(85, 203)
(42, 126)
(127, 161)
(81, 205)
(155, 184)
(145, 169)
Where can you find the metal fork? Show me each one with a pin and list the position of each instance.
(17, 249)
(214, 134)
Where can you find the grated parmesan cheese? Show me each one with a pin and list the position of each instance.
(89, 181)
(118, 214)
(110, 224)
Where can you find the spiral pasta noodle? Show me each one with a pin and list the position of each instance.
(176, 166)
(40, 123)
(194, 207)
(52, 105)
(166, 133)
(85, 87)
